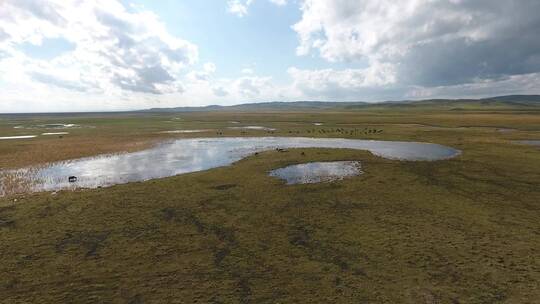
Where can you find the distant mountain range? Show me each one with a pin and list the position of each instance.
(498, 102)
(517, 98)
(273, 105)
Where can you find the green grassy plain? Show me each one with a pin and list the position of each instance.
(465, 230)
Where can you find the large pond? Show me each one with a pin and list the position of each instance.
(190, 155)
(317, 172)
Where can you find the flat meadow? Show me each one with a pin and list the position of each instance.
(461, 230)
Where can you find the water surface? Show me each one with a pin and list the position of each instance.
(253, 128)
(184, 131)
(317, 172)
(530, 142)
(190, 155)
(49, 126)
(17, 137)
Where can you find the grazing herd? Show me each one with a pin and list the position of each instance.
(343, 131)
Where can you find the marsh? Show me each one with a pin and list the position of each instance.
(191, 155)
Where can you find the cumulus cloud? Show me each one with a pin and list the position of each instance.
(349, 78)
(115, 49)
(349, 84)
(424, 43)
(220, 91)
(240, 8)
(247, 71)
(515, 84)
(58, 82)
(205, 74)
(104, 55)
(279, 2)
(248, 88)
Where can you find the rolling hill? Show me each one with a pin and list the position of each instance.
(493, 103)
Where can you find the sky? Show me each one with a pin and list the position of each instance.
(112, 55)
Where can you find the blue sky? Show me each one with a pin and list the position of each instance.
(263, 40)
(48, 49)
(92, 55)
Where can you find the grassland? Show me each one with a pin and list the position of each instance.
(465, 230)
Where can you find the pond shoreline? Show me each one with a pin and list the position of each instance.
(181, 156)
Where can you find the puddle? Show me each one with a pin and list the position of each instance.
(55, 133)
(253, 128)
(506, 130)
(59, 126)
(191, 155)
(528, 142)
(184, 131)
(17, 137)
(49, 126)
(317, 172)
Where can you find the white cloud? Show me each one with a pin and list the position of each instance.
(375, 75)
(208, 70)
(515, 84)
(374, 82)
(220, 91)
(428, 43)
(241, 7)
(126, 58)
(209, 67)
(252, 87)
(115, 50)
(238, 7)
(249, 88)
(279, 2)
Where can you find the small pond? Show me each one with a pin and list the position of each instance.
(253, 128)
(49, 126)
(54, 133)
(191, 155)
(530, 142)
(184, 131)
(317, 172)
(17, 137)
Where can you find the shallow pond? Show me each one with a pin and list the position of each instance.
(506, 130)
(190, 155)
(529, 142)
(54, 133)
(49, 126)
(184, 131)
(17, 137)
(253, 128)
(317, 172)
